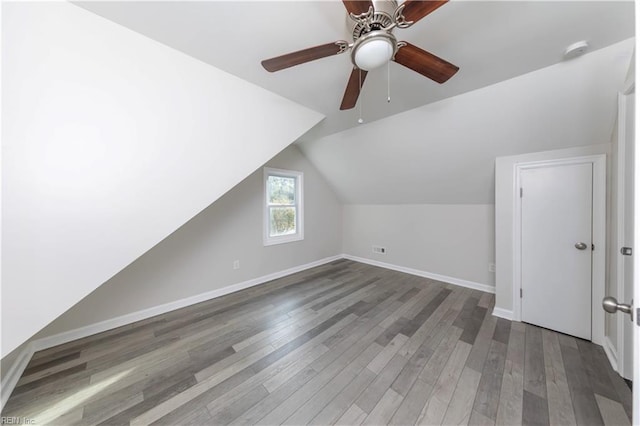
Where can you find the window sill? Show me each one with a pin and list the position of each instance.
(272, 241)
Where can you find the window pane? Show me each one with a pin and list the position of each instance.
(281, 190)
(282, 221)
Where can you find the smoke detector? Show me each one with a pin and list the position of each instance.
(576, 49)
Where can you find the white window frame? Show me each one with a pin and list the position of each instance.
(299, 205)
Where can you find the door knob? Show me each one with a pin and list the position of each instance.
(581, 246)
(611, 305)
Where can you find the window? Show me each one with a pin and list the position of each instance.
(283, 206)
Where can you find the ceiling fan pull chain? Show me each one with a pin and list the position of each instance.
(388, 82)
(360, 120)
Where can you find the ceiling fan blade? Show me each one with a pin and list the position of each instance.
(351, 93)
(357, 7)
(415, 10)
(425, 63)
(300, 57)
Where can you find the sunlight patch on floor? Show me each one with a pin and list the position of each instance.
(77, 399)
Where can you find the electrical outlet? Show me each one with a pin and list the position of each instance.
(492, 267)
(236, 264)
(379, 250)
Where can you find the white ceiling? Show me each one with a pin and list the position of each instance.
(489, 41)
(444, 152)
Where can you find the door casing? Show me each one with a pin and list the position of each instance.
(599, 213)
(621, 364)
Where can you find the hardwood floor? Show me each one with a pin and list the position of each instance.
(343, 343)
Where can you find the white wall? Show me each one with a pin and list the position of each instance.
(198, 257)
(504, 214)
(444, 152)
(456, 241)
(111, 141)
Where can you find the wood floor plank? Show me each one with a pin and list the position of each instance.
(70, 417)
(534, 410)
(339, 405)
(412, 404)
(52, 378)
(467, 311)
(585, 405)
(600, 381)
(624, 392)
(488, 394)
(289, 406)
(566, 340)
(412, 326)
(558, 394)
(480, 349)
(472, 327)
(353, 416)
(384, 409)
(105, 408)
(511, 392)
(424, 297)
(485, 300)
(442, 317)
(438, 360)
(299, 362)
(167, 407)
(225, 414)
(366, 329)
(341, 343)
(31, 369)
(349, 335)
(392, 331)
(323, 396)
(384, 356)
(613, 413)
(461, 404)
(438, 402)
(534, 377)
(104, 356)
(371, 396)
(286, 374)
(173, 386)
(269, 403)
(478, 419)
(502, 331)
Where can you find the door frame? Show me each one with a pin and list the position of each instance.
(599, 230)
(620, 366)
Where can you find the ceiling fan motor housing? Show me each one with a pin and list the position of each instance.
(372, 23)
(383, 11)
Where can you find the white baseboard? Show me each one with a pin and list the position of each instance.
(99, 327)
(503, 313)
(444, 278)
(14, 372)
(611, 352)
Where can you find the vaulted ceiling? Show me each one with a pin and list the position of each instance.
(515, 93)
(490, 41)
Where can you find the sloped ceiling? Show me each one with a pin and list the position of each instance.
(432, 143)
(490, 41)
(444, 152)
(110, 142)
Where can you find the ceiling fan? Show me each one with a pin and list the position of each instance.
(374, 44)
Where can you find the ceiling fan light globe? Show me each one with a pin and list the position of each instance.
(373, 53)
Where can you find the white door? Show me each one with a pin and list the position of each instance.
(627, 156)
(556, 226)
(636, 311)
(635, 334)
